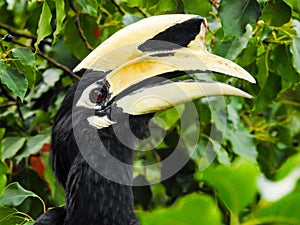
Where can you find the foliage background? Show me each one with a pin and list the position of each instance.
(254, 179)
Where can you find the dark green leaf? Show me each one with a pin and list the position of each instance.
(13, 195)
(44, 27)
(236, 14)
(291, 95)
(201, 210)
(231, 48)
(33, 145)
(198, 7)
(281, 64)
(11, 146)
(276, 13)
(15, 81)
(267, 94)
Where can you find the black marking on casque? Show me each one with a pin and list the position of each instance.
(175, 37)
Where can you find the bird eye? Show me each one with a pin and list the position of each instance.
(97, 95)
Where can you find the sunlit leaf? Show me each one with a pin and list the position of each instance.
(198, 7)
(89, 6)
(201, 210)
(295, 50)
(44, 27)
(60, 16)
(284, 211)
(164, 6)
(235, 185)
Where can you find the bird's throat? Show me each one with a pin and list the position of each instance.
(93, 199)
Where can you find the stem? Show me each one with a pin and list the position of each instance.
(120, 9)
(44, 205)
(78, 25)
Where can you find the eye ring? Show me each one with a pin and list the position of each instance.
(97, 95)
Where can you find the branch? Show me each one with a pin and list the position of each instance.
(19, 34)
(120, 9)
(142, 12)
(43, 55)
(78, 25)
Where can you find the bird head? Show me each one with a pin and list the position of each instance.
(139, 69)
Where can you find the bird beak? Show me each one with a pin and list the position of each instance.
(138, 74)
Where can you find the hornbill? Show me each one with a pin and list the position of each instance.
(136, 72)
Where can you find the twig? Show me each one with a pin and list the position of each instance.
(43, 55)
(19, 34)
(142, 12)
(78, 25)
(7, 105)
(120, 9)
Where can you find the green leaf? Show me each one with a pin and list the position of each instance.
(27, 60)
(284, 211)
(44, 27)
(241, 141)
(72, 39)
(9, 216)
(50, 77)
(232, 47)
(25, 55)
(33, 145)
(168, 118)
(235, 185)
(281, 64)
(295, 50)
(276, 13)
(89, 6)
(2, 132)
(236, 14)
(60, 17)
(3, 178)
(291, 95)
(11, 146)
(267, 94)
(164, 6)
(248, 55)
(201, 210)
(15, 81)
(13, 195)
(198, 7)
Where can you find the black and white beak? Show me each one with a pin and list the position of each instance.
(143, 62)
